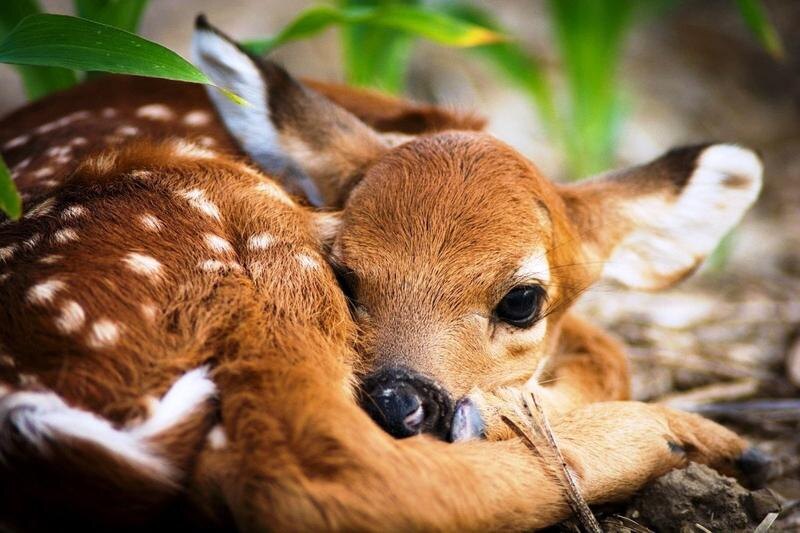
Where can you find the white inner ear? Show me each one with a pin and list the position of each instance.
(227, 66)
(674, 234)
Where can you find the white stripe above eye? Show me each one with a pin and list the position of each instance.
(535, 267)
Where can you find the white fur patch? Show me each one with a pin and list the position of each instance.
(261, 241)
(104, 334)
(42, 209)
(181, 400)
(145, 265)
(673, 236)
(535, 267)
(307, 261)
(7, 252)
(184, 148)
(197, 118)
(43, 172)
(31, 242)
(155, 112)
(65, 235)
(71, 318)
(73, 211)
(217, 243)
(45, 292)
(43, 419)
(217, 439)
(16, 142)
(150, 222)
(197, 199)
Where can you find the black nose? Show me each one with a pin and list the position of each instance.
(405, 403)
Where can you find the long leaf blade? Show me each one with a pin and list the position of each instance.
(79, 44)
(414, 20)
(10, 201)
(755, 18)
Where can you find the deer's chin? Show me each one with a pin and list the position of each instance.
(467, 422)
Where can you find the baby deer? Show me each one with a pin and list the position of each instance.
(461, 261)
(176, 350)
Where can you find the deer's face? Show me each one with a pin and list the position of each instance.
(448, 249)
(458, 257)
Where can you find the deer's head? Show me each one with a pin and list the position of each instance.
(458, 256)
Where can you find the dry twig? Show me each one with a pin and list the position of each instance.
(565, 475)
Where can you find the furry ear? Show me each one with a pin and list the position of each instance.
(291, 131)
(651, 226)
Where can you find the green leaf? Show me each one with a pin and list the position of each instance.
(590, 34)
(38, 81)
(10, 201)
(79, 44)
(755, 18)
(414, 20)
(123, 14)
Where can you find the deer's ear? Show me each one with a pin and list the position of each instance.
(289, 130)
(650, 226)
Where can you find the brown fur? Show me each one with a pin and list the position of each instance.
(300, 454)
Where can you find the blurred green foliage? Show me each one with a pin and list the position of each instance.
(378, 37)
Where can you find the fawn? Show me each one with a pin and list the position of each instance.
(461, 261)
(176, 349)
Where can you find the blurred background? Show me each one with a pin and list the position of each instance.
(595, 84)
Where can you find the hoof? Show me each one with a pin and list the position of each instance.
(755, 467)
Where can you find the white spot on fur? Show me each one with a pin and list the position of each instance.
(109, 112)
(22, 165)
(197, 199)
(32, 241)
(184, 148)
(65, 235)
(45, 292)
(7, 360)
(103, 163)
(4, 277)
(217, 243)
(143, 264)
(72, 317)
(127, 130)
(16, 141)
(149, 311)
(79, 141)
(306, 261)
(214, 265)
(51, 259)
(7, 252)
(150, 222)
(63, 121)
(104, 334)
(197, 118)
(155, 112)
(206, 141)
(261, 241)
(42, 209)
(43, 172)
(217, 439)
(73, 211)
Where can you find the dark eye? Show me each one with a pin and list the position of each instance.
(347, 280)
(521, 305)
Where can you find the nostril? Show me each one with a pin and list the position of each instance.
(414, 421)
